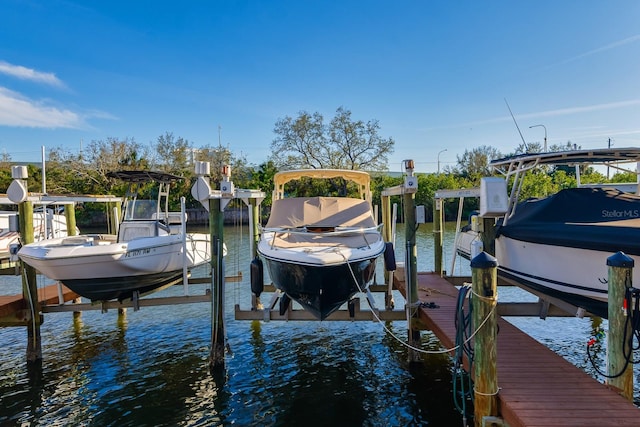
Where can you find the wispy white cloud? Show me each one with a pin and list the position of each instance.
(19, 111)
(542, 114)
(604, 48)
(558, 112)
(24, 73)
(580, 110)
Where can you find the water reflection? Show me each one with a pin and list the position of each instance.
(150, 367)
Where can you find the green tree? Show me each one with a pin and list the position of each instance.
(172, 155)
(474, 164)
(306, 142)
(262, 179)
(532, 147)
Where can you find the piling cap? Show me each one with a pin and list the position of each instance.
(620, 259)
(484, 260)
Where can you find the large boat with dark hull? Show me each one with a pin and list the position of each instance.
(558, 245)
(321, 250)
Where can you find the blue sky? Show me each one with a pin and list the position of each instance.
(435, 74)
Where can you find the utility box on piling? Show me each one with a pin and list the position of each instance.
(494, 200)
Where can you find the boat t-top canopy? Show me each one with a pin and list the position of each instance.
(144, 176)
(361, 178)
(601, 156)
(135, 179)
(517, 166)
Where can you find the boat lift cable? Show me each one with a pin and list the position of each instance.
(632, 303)
(374, 312)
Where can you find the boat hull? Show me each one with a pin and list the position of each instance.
(101, 269)
(122, 288)
(321, 290)
(577, 276)
(574, 275)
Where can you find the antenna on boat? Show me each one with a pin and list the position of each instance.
(526, 147)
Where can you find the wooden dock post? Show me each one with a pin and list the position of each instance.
(488, 235)
(407, 190)
(70, 218)
(19, 194)
(215, 201)
(619, 338)
(30, 286)
(385, 202)
(216, 224)
(254, 216)
(411, 263)
(485, 299)
(438, 214)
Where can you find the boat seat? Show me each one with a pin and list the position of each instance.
(130, 230)
(77, 240)
(173, 220)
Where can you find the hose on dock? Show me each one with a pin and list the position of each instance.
(632, 307)
(462, 380)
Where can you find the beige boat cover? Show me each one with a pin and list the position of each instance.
(297, 212)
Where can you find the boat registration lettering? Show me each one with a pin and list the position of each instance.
(137, 252)
(629, 213)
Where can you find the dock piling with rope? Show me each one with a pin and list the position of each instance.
(515, 380)
(535, 386)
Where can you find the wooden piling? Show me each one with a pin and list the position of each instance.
(216, 224)
(387, 234)
(254, 207)
(70, 218)
(484, 301)
(488, 235)
(30, 286)
(619, 338)
(411, 274)
(437, 235)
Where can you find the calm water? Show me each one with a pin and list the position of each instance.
(151, 367)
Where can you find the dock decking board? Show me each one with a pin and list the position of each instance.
(538, 388)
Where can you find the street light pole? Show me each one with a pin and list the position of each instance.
(545, 135)
(440, 152)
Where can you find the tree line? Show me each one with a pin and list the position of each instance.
(304, 141)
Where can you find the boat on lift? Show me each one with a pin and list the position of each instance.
(558, 245)
(150, 251)
(321, 250)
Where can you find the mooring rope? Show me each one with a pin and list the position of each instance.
(374, 312)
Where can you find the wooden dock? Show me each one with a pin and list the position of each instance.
(538, 388)
(14, 309)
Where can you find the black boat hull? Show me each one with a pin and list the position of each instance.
(122, 288)
(321, 289)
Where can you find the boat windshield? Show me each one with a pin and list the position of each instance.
(140, 209)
